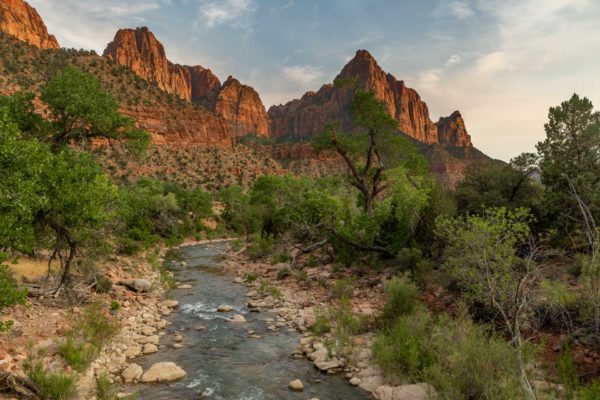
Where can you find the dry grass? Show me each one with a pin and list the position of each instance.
(31, 268)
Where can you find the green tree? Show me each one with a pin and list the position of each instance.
(80, 110)
(64, 195)
(494, 184)
(482, 258)
(570, 159)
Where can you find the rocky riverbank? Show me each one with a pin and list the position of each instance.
(299, 297)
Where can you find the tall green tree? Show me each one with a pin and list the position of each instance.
(80, 110)
(570, 159)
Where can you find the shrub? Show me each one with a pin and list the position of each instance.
(555, 304)
(347, 324)
(251, 277)
(50, 386)
(281, 258)
(10, 294)
(266, 288)
(343, 288)
(402, 296)
(460, 359)
(321, 325)
(262, 247)
(77, 355)
(283, 273)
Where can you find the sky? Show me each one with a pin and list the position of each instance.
(502, 63)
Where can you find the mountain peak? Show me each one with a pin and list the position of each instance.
(19, 19)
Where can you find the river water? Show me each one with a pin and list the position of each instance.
(222, 362)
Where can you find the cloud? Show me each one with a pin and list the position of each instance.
(302, 74)
(453, 60)
(455, 9)
(226, 12)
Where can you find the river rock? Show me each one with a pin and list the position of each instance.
(185, 286)
(149, 339)
(163, 372)
(132, 373)
(332, 365)
(296, 385)
(149, 348)
(137, 285)
(419, 391)
(224, 308)
(132, 351)
(178, 338)
(171, 303)
(354, 381)
(238, 319)
(238, 279)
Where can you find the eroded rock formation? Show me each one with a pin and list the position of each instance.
(19, 19)
(308, 115)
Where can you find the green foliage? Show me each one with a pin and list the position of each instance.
(10, 293)
(284, 273)
(321, 325)
(492, 184)
(460, 359)
(347, 324)
(50, 386)
(81, 110)
(267, 288)
(555, 304)
(481, 254)
(343, 288)
(150, 210)
(569, 152)
(77, 355)
(251, 277)
(402, 297)
(22, 112)
(261, 247)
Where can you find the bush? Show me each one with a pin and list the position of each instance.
(402, 296)
(343, 288)
(321, 325)
(50, 386)
(77, 355)
(10, 294)
(460, 359)
(262, 247)
(555, 304)
(347, 324)
(284, 273)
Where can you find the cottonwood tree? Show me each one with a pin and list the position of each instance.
(80, 111)
(482, 258)
(63, 194)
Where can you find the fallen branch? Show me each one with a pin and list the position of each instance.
(309, 249)
(18, 385)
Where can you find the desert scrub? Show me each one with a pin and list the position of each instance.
(92, 329)
(10, 294)
(265, 287)
(261, 247)
(321, 325)
(343, 288)
(462, 360)
(50, 386)
(402, 296)
(347, 324)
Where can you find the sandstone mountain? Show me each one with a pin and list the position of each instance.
(19, 19)
(238, 104)
(306, 116)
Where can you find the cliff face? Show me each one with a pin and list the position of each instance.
(452, 131)
(238, 104)
(306, 116)
(242, 108)
(19, 19)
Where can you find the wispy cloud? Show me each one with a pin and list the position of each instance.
(458, 9)
(235, 13)
(453, 60)
(303, 74)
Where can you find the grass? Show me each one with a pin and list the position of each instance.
(93, 328)
(267, 288)
(321, 325)
(50, 386)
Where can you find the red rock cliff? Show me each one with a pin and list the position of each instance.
(239, 104)
(452, 131)
(19, 19)
(242, 108)
(306, 116)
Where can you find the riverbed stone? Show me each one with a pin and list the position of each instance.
(224, 308)
(137, 285)
(149, 348)
(419, 391)
(296, 385)
(171, 303)
(354, 381)
(163, 372)
(132, 373)
(238, 319)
